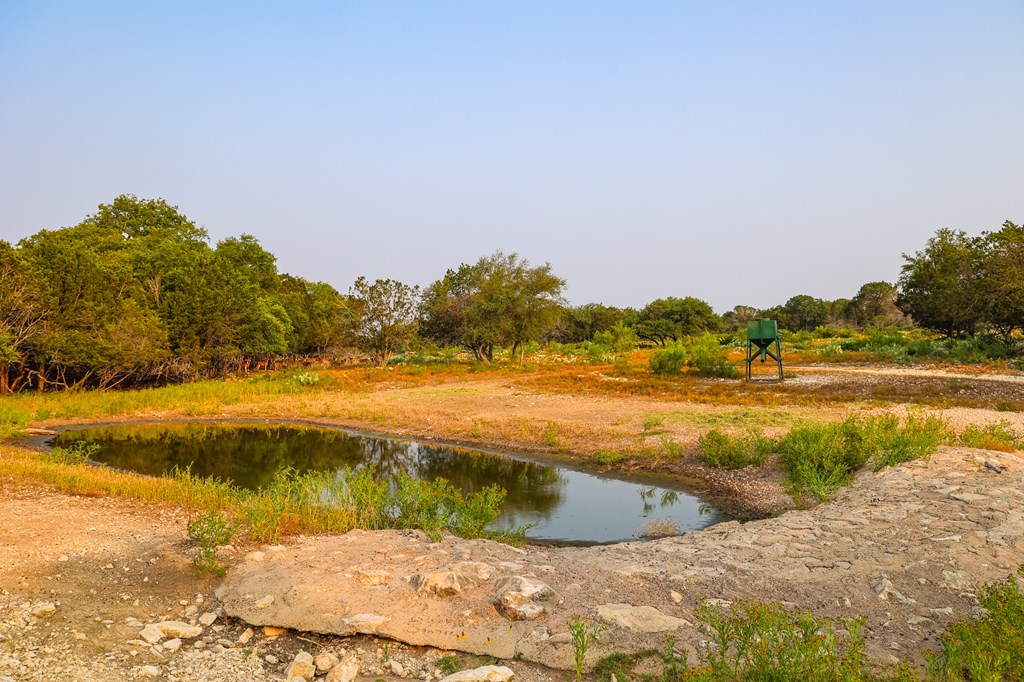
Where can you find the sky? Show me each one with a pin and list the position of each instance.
(740, 152)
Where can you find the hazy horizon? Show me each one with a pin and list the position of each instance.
(645, 149)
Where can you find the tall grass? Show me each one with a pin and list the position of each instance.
(719, 450)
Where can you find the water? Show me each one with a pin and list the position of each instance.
(563, 504)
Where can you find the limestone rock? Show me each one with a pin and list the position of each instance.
(172, 644)
(439, 584)
(245, 636)
(271, 631)
(264, 602)
(519, 598)
(487, 673)
(473, 572)
(175, 628)
(371, 578)
(150, 671)
(151, 634)
(43, 610)
(883, 587)
(302, 667)
(207, 619)
(346, 671)
(324, 662)
(638, 618)
(958, 580)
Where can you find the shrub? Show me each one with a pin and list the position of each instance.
(668, 360)
(608, 457)
(821, 459)
(709, 358)
(722, 451)
(78, 452)
(211, 530)
(1000, 436)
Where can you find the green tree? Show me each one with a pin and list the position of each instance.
(941, 286)
(499, 300)
(22, 317)
(803, 312)
(1002, 277)
(670, 319)
(386, 316)
(875, 305)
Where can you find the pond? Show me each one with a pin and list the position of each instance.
(562, 504)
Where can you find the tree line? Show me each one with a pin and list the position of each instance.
(136, 294)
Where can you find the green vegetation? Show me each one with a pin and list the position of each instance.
(989, 647)
(450, 664)
(998, 436)
(719, 450)
(312, 502)
(210, 530)
(669, 360)
(704, 354)
(820, 459)
(76, 453)
(583, 632)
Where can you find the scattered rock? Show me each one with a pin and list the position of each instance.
(519, 598)
(273, 632)
(150, 671)
(372, 578)
(175, 628)
(638, 618)
(245, 636)
(302, 667)
(440, 584)
(207, 619)
(324, 662)
(264, 602)
(958, 580)
(883, 587)
(487, 673)
(43, 610)
(172, 644)
(346, 671)
(151, 634)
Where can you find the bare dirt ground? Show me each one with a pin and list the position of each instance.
(108, 566)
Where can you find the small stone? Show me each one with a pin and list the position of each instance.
(271, 631)
(346, 671)
(175, 628)
(191, 610)
(324, 662)
(150, 671)
(958, 580)
(439, 584)
(44, 609)
(207, 619)
(264, 602)
(151, 634)
(302, 667)
(63, 558)
(945, 611)
(918, 620)
(397, 668)
(172, 644)
(199, 644)
(488, 673)
(271, 659)
(372, 578)
(676, 597)
(638, 618)
(245, 636)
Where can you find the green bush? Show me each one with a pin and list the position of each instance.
(78, 452)
(1000, 436)
(722, 451)
(211, 530)
(13, 422)
(668, 360)
(709, 358)
(990, 647)
(820, 459)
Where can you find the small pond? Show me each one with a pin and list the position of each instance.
(563, 505)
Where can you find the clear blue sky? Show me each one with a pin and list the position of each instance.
(644, 149)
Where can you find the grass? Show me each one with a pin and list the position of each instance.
(719, 450)
(314, 502)
(989, 647)
(999, 436)
(740, 418)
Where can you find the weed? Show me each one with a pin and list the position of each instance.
(583, 632)
(608, 457)
(651, 423)
(709, 358)
(669, 360)
(1000, 436)
(672, 448)
(78, 452)
(13, 422)
(658, 528)
(722, 451)
(450, 664)
(211, 530)
(308, 378)
(987, 648)
(551, 435)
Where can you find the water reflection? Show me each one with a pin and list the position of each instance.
(562, 504)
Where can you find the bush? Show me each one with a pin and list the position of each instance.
(211, 530)
(999, 436)
(668, 360)
(722, 451)
(709, 358)
(821, 459)
(78, 452)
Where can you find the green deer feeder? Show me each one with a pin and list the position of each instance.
(761, 336)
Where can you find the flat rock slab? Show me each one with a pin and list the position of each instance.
(880, 549)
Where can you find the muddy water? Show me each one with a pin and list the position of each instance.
(562, 504)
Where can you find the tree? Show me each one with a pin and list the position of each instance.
(386, 314)
(941, 286)
(875, 305)
(803, 312)
(1002, 278)
(499, 300)
(670, 319)
(22, 317)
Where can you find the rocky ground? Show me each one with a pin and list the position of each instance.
(102, 589)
